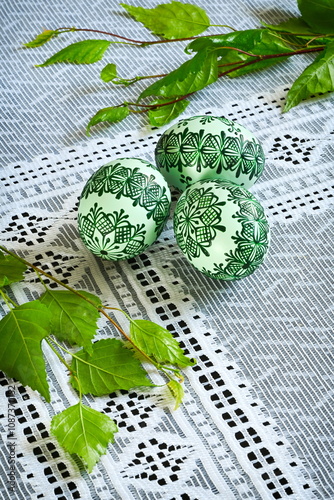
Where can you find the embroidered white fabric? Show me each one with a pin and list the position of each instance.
(256, 420)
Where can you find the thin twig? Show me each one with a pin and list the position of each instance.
(139, 42)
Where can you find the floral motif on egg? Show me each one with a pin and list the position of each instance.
(197, 218)
(186, 121)
(254, 159)
(252, 242)
(142, 189)
(110, 235)
(203, 120)
(232, 126)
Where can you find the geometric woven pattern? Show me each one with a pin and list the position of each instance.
(220, 149)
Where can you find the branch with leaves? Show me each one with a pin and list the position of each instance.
(229, 55)
(65, 318)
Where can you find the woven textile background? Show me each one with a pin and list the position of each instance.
(257, 417)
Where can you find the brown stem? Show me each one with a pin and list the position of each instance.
(295, 52)
(101, 33)
(228, 64)
(139, 42)
(152, 106)
(271, 56)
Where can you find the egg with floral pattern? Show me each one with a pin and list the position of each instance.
(123, 208)
(209, 147)
(221, 229)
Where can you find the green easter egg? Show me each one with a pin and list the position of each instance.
(221, 229)
(123, 208)
(209, 147)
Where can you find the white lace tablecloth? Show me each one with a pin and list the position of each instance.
(257, 416)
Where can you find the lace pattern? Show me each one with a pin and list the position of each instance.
(256, 420)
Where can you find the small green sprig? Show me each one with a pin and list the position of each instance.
(65, 318)
(214, 57)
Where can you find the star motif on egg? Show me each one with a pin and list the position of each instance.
(251, 242)
(198, 218)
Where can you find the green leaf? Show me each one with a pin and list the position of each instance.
(158, 342)
(108, 73)
(73, 319)
(84, 431)
(171, 20)
(85, 52)
(41, 39)
(177, 392)
(21, 356)
(112, 114)
(299, 30)
(110, 367)
(11, 269)
(317, 78)
(164, 114)
(193, 75)
(319, 14)
(257, 41)
(295, 25)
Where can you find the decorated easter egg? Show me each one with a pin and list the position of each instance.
(209, 147)
(123, 208)
(221, 229)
